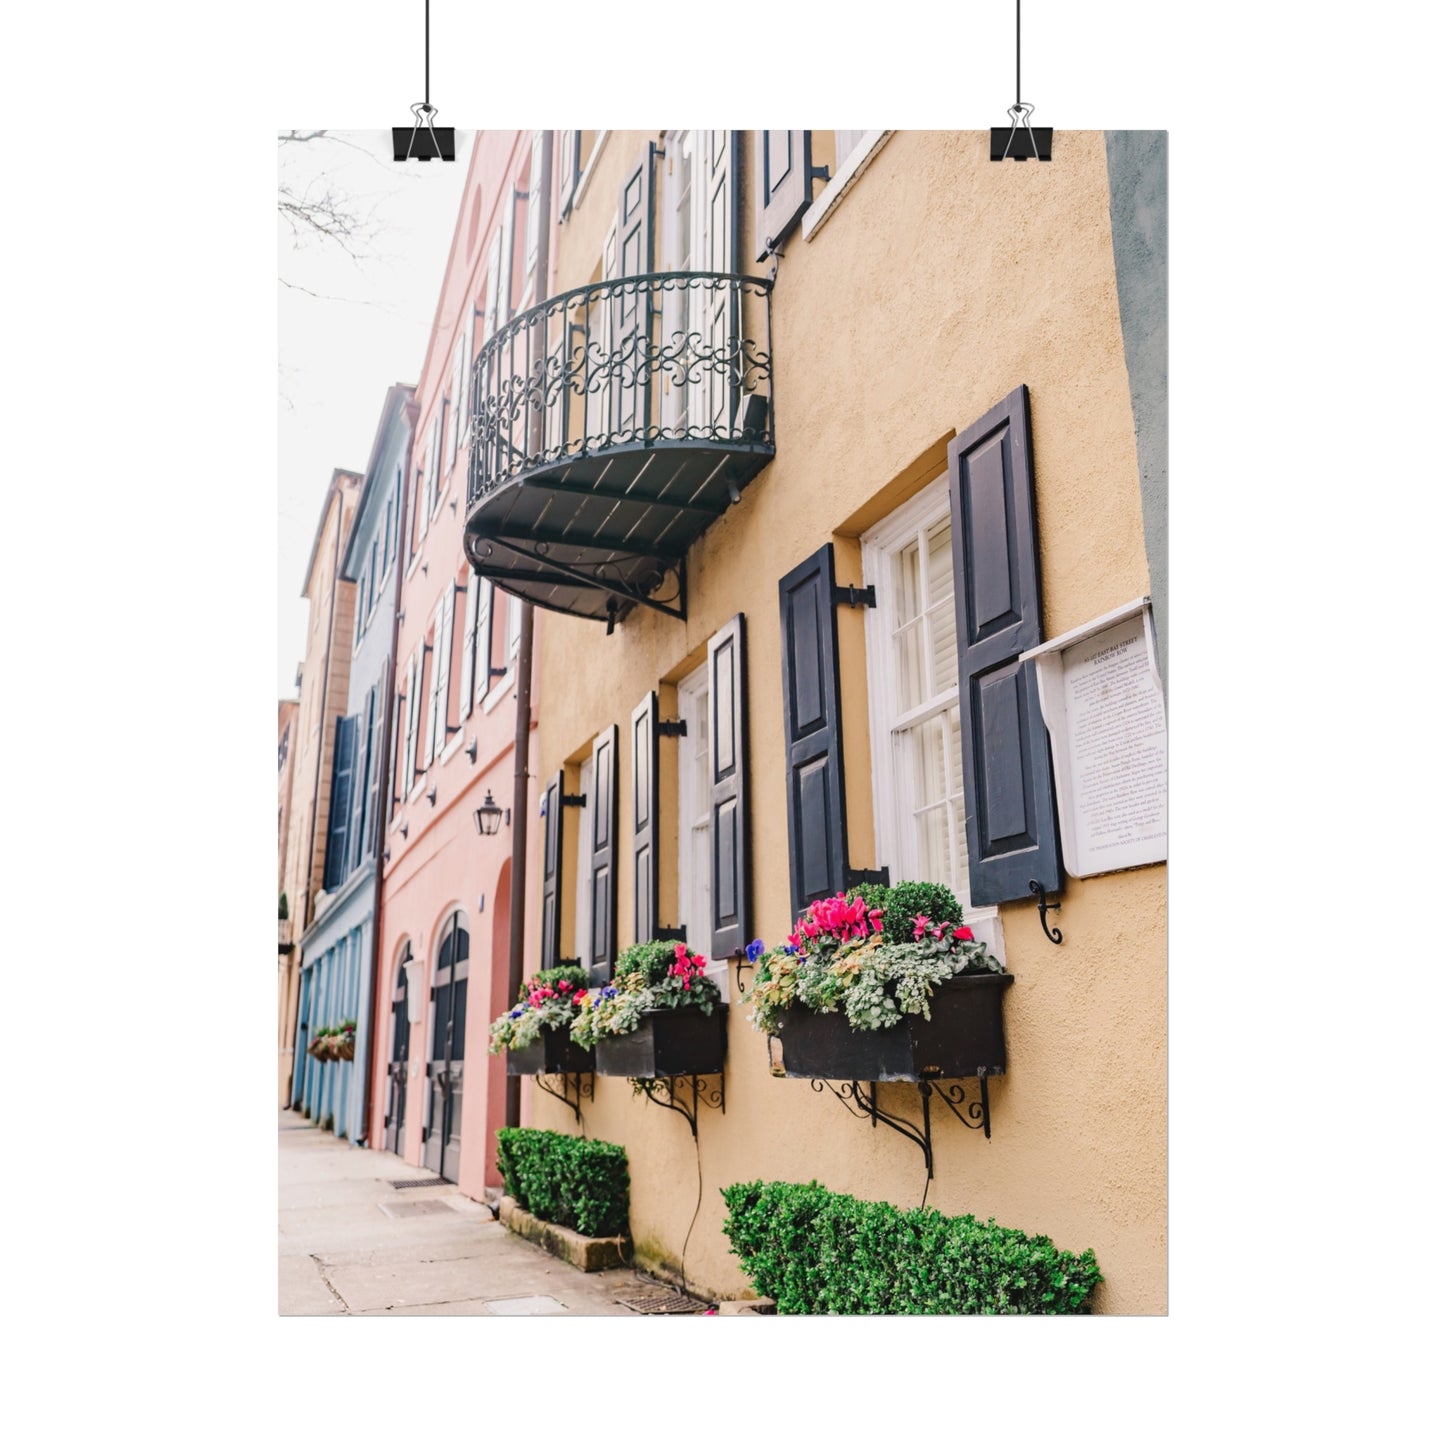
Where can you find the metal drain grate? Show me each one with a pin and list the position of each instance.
(661, 1302)
(416, 1183)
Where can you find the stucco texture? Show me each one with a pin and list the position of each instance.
(938, 284)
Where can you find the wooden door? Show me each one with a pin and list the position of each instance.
(395, 1136)
(445, 1064)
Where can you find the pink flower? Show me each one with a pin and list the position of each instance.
(875, 917)
(964, 934)
(681, 952)
(921, 925)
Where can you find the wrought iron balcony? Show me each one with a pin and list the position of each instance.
(611, 425)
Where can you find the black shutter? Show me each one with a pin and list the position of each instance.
(813, 732)
(1008, 790)
(644, 818)
(785, 184)
(361, 765)
(727, 712)
(633, 324)
(552, 871)
(339, 818)
(603, 848)
(375, 704)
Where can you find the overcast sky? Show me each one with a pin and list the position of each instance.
(365, 326)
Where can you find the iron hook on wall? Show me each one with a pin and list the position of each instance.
(1041, 897)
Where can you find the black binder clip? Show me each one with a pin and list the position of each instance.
(1021, 144)
(423, 141)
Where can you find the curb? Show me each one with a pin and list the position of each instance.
(581, 1251)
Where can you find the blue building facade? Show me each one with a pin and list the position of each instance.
(337, 951)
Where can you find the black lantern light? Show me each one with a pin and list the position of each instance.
(491, 815)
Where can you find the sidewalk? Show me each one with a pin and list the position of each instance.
(352, 1244)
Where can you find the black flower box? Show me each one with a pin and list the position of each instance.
(667, 1042)
(552, 1053)
(964, 1038)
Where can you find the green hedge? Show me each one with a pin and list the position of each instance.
(816, 1252)
(581, 1184)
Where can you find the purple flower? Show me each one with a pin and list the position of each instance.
(755, 950)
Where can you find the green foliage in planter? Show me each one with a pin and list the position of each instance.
(817, 1252)
(903, 903)
(581, 1184)
(282, 912)
(650, 960)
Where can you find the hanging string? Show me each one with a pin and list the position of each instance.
(426, 99)
(1018, 51)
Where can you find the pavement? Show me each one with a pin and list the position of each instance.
(353, 1244)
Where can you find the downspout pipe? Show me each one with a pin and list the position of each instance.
(521, 750)
(388, 689)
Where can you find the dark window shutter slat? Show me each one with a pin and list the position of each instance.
(361, 789)
(1012, 827)
(728, 762)
(373, 826)
(552, 872)
(813, 732)
(339, 818)
(603, 848)
(644, 818)
(785, 184)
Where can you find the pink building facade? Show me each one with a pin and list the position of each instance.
(446, 927)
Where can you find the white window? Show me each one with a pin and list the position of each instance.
(694, 814)
(582, 888)
(912, 658)
(454, 428)
(534, 217)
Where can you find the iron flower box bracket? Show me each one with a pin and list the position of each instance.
(554, 1053)
(962, 1039)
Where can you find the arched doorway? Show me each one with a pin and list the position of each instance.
(395, 1136)
(442, 1151)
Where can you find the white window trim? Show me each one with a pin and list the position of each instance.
(878, 543)
(585, 178)
(504, 685)
(690, 691)
(582, 890)
(848, 171)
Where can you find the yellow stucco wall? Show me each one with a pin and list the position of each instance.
(940, 282)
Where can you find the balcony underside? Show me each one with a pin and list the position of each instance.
(596, 535)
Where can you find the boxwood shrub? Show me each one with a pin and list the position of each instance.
(816, 1252)
(581, 1184)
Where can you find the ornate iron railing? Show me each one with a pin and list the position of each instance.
(673, 357)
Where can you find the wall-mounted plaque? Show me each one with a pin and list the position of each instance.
(1103, 703)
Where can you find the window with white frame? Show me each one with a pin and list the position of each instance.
(912, 656)
(582, 883)
(694, 814)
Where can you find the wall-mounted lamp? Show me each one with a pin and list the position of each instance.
(491, 815)
(471, 749)
(431, 795)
